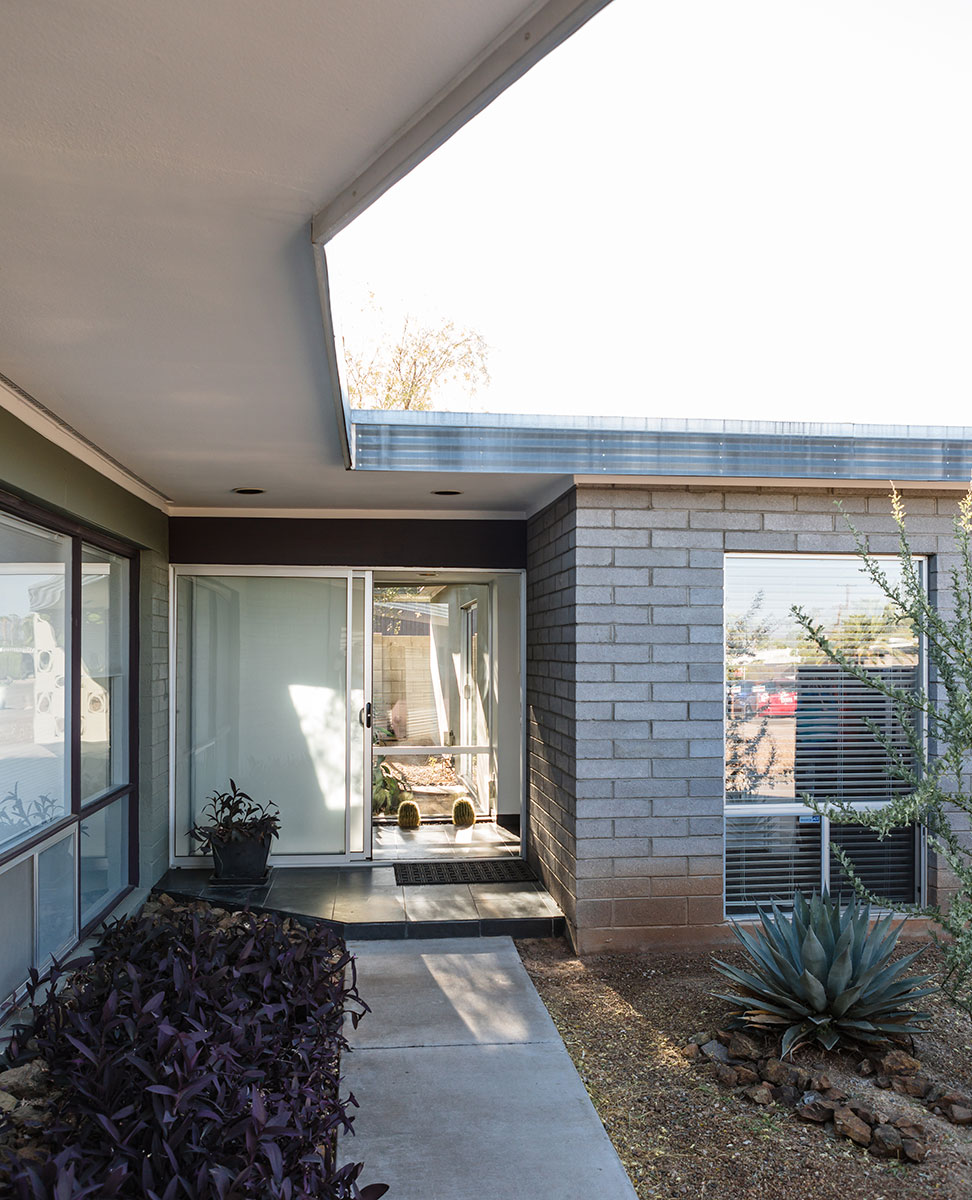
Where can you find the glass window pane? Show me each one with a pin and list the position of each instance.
(34, 570)
(104, 671)
(795, 723)
(104, 857)
(431, 665)
(261, 697)
(16, 926)
(769, 858)
(56, 899)
(888, 868)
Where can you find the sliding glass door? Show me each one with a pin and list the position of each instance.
(270, 690)
(313, 687)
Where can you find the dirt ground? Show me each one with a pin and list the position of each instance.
(624, 1019)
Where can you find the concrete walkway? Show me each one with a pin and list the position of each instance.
(466, 1089)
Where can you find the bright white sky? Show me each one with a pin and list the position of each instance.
(759, 210)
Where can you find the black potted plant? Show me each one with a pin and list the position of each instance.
(237, 830)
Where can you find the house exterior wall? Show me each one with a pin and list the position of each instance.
(638, 817)
(551, 685)
(37, 470)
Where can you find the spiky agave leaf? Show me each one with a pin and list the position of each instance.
(825, 974)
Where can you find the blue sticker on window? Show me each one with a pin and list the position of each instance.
(814, 819)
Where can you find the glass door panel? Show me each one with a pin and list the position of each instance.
(431, 697)
(262, 678)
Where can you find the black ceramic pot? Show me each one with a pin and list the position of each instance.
(241, 859)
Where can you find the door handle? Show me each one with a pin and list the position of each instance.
(364, 716)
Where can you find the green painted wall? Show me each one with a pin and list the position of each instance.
(41, 471)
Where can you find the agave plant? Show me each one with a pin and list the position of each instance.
(823, 974)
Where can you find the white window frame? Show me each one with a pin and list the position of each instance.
(796, 808)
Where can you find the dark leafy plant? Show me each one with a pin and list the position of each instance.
(234, 816)
(195, 1057)
(824, 975)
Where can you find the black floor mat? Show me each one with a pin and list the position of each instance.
(476, 870)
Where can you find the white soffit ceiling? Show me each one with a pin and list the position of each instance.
(161, 163)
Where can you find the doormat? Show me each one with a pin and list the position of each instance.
(481, 870)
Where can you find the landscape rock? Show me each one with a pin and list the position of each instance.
(699, 1039)
(820, 1082)
(865, 1067)
(885, 1142)
(746, 1075)
(897, 1062)
(7, 1102)
(882, 1081)
(849, 1125)
(911, 1085)
(762, 1093)
(29, 1082)
(817, 1111)
(30, 1116)
(742, 1046)
(913, 1150)
(715, 1051)
(958, 1114)
(724, 1036)
(691, 1051)
(725, 1074)
(866, 1113)
(774, 1071)
(909, 1128)
(835, 1094)
(799, 1078)
(790, 1096)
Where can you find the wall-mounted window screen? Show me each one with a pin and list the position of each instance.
(104, 857)
(104, 671)
(798, 725)
(34, 777)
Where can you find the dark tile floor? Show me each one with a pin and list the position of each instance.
(365, 902)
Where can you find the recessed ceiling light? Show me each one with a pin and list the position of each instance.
(249, 491)
(445, 492)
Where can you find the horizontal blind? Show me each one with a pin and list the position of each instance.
(769, 858)
(886, 868)
(796, 724)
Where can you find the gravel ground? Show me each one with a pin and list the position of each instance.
(624, 1019)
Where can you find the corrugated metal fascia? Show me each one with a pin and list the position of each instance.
(387, 442)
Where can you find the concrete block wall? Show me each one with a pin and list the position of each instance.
(550, 695)
(647, 578)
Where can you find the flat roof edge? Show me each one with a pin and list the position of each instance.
(664, 448)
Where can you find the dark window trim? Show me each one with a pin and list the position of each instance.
(38, 836)
(82, 534)
(89, 926)
(105, 799)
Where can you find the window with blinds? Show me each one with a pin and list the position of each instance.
(797, 725)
